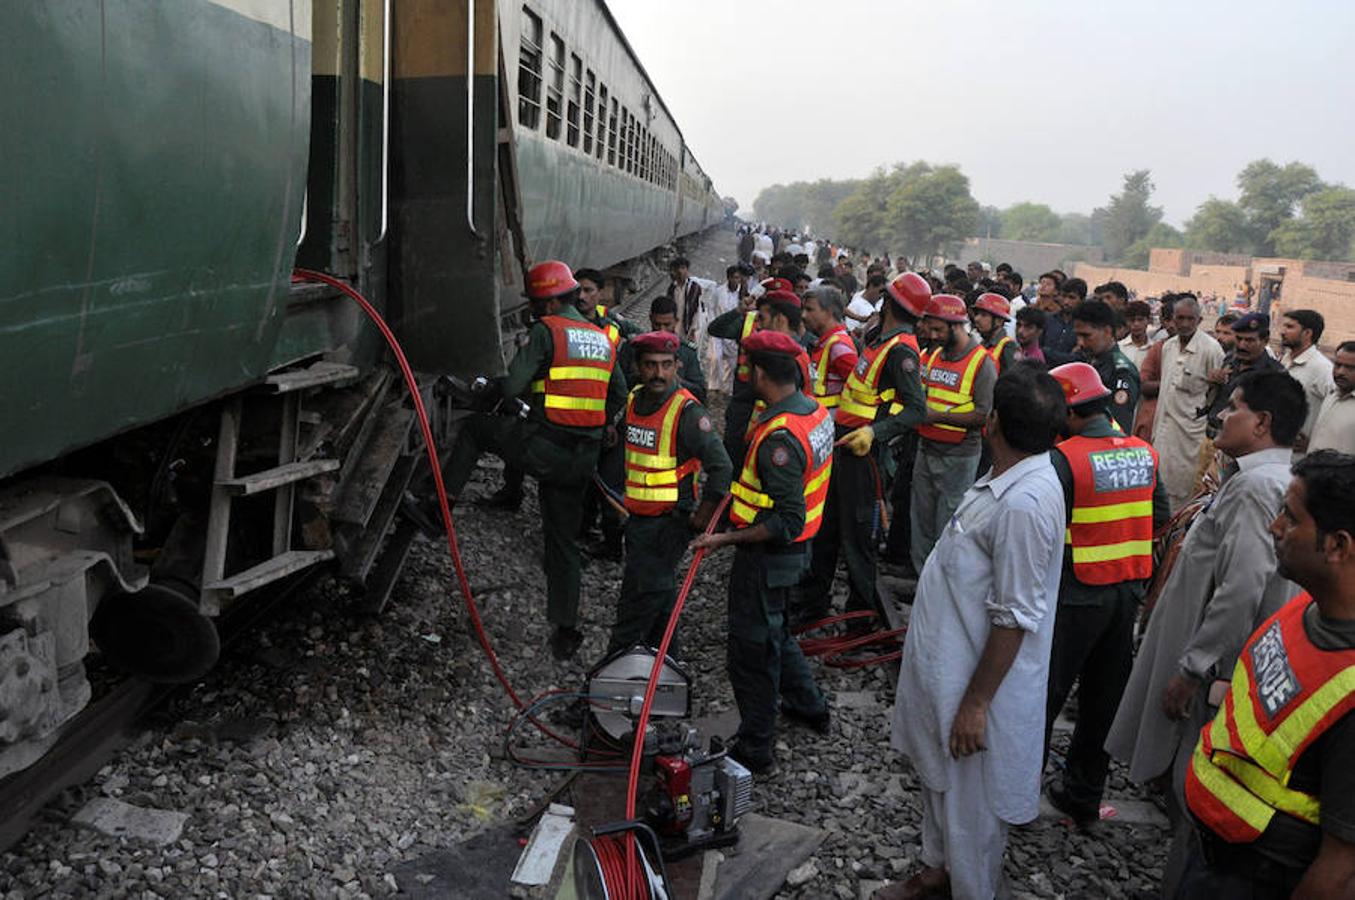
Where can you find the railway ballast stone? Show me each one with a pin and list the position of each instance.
(117, 819)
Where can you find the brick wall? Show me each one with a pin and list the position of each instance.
(1338, 271)
(1168, 261)
(1334, 299)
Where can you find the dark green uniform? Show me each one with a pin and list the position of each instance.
(763, 658)
(1093, 645)
(561, 459)
(1007, 358)
(655, 544)
(851, 512)
(741, 397)
(1122, 377)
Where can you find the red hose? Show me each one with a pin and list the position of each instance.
(835, 648)
(635, 876)
(453, 547)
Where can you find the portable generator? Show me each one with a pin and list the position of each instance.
(692, 798)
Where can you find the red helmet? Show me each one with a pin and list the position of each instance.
(1080, 383)
(551, 278)
(995, 304)
(911, 291)
(947, 308)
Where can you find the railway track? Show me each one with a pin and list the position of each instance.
(109, 723)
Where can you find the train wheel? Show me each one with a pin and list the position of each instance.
(156, 633)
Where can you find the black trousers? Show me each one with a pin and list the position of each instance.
(899, 545)
(1216, 870)
(848, 531)
(737, 414)
(1093, 645)
(763, 658)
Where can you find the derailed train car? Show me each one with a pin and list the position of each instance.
(183, 424)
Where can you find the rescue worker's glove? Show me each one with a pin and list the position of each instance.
(859, 441)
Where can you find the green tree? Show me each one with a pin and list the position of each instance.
(1028, 221)
(1078, 228)
(802, 204)
(1270, 194)
(929, 207)
(1128, 217)
(1219, 225)
(1160, 235)
(1324, 231)
(860, 218)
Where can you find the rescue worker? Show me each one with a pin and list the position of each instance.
(735, 325)
(1115, 503)
(990, 315)
(882, 400)
(610, 468)
(833, 354)
(567, 369)
(753, 312)
(590, 306)
(1270, 783)
(777, 507)
(1094, 329)
(669, 441)
(958, 375)
(663, 317)
(911, 296)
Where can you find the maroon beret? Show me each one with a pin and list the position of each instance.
(790, 298)
(654, 342)
(773, 342)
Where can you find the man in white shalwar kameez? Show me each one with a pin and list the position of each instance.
(969, 709)
(1184, 389)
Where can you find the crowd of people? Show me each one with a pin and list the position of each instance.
(1093, 493)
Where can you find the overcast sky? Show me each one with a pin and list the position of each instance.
(1044, 100)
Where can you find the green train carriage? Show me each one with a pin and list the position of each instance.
(185, 425)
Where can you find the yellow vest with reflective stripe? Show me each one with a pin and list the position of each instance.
(653, 475)
(861, 395)
(950, 388)
(574, 390)
(743, 371)
(1285, 693)
(826, 400)
(814, 431)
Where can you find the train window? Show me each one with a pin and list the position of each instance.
(623, 142)
(630, 143)
(575, 100)
(648, 149)
(611, 135)
(555, 86)
(602, 122)
(529, 71)
(589, 97)
(632, 146)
